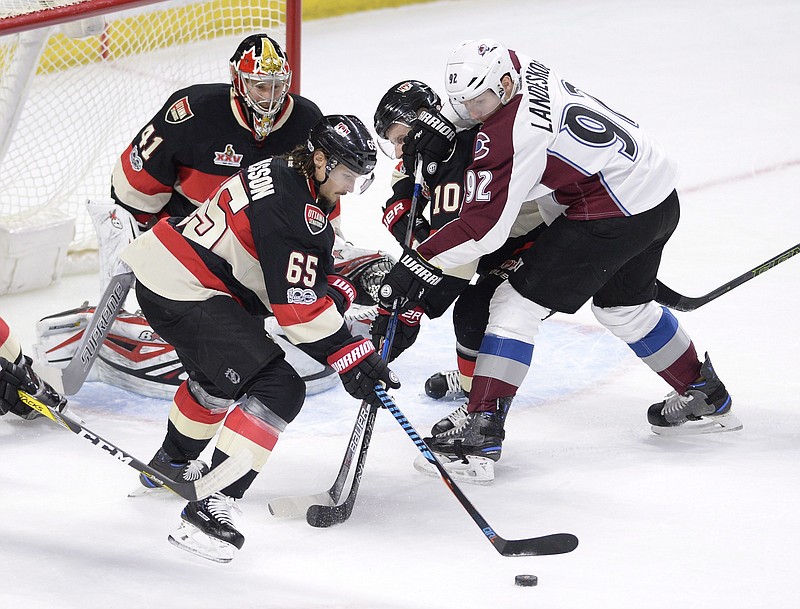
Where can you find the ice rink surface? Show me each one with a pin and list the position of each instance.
(708, 521)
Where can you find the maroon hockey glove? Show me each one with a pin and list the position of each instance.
(342, 292)
(405, 333)
(396, 217)
(433, 138)
(360, 369)
(408, 280)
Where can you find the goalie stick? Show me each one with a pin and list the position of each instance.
(672, 299)
(74, 375)
(225, 474)
(557, 543)
(321, 509)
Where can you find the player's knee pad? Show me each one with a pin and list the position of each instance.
(280, 389)
(210, 402)
(629, 323)
(511, 315)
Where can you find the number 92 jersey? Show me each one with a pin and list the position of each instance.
(561, 146)
(261, 239)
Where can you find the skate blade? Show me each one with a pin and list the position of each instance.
(191, 539)
(705, 425)
(142, 490)
(479, 470)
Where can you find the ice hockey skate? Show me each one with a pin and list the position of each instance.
(445, 385)
(704, 408)
(451, 420)
(179, 471)
(207, 529)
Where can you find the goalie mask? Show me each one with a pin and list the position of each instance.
(400, 105)
(345, 139)
(260, 76)
(477, 66)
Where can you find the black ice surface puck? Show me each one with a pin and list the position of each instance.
(526, 580)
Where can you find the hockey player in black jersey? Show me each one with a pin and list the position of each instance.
(261, 244)
(441, 199)
(207, 132)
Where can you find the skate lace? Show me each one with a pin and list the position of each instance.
(458, 415)
(676, 404)
(453, 378)
(220, 506)
(193, 470)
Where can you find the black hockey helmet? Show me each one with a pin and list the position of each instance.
(260, 76)
(344, 139)
(401, 103)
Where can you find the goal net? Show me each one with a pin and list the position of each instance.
(79, 78)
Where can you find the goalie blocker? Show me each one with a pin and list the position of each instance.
(134, 357)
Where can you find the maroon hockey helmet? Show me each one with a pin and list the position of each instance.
(260, 76)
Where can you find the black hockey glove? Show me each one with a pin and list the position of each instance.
(396, 218)
(360, 369)
(21, 376)
(433, 138)
(408, 280)
(405, 333)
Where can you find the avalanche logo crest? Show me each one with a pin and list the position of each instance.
(316, 221)
(481, 146)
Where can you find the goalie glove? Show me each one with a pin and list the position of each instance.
(405, 332)
(361, 369)
(396, 218)
(432, 137)
(408, 280)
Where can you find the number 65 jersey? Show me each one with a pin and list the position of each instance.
(558, 144)
(261, 239)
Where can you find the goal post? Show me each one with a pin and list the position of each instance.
(78, 79)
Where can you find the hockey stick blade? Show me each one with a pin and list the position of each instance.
(670, 298)
(74, 375)
(228, 472)
(323, 516)
(558, 543)
(297, 505)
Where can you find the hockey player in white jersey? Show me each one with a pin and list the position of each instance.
(611, 205)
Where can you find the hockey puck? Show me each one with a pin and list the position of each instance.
(526, 580)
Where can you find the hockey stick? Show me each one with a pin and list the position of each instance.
(327, 515)
(228, 472)
(670, 298)
(317, 507)
(74, 375)
(558, 543)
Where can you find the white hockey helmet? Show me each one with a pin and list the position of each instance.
(476, 66)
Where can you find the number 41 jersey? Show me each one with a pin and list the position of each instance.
(261, 239)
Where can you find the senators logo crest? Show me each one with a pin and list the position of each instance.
(316, 220)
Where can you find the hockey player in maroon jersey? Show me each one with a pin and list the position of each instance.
(16, 373)
(207, 132)
(607, 189)
(262, 243)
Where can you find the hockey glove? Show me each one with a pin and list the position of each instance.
(360, 369)
(405, 333)
(432, 137)
(342, 292)
(408, 280)
(396, 218)
(22, 376)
